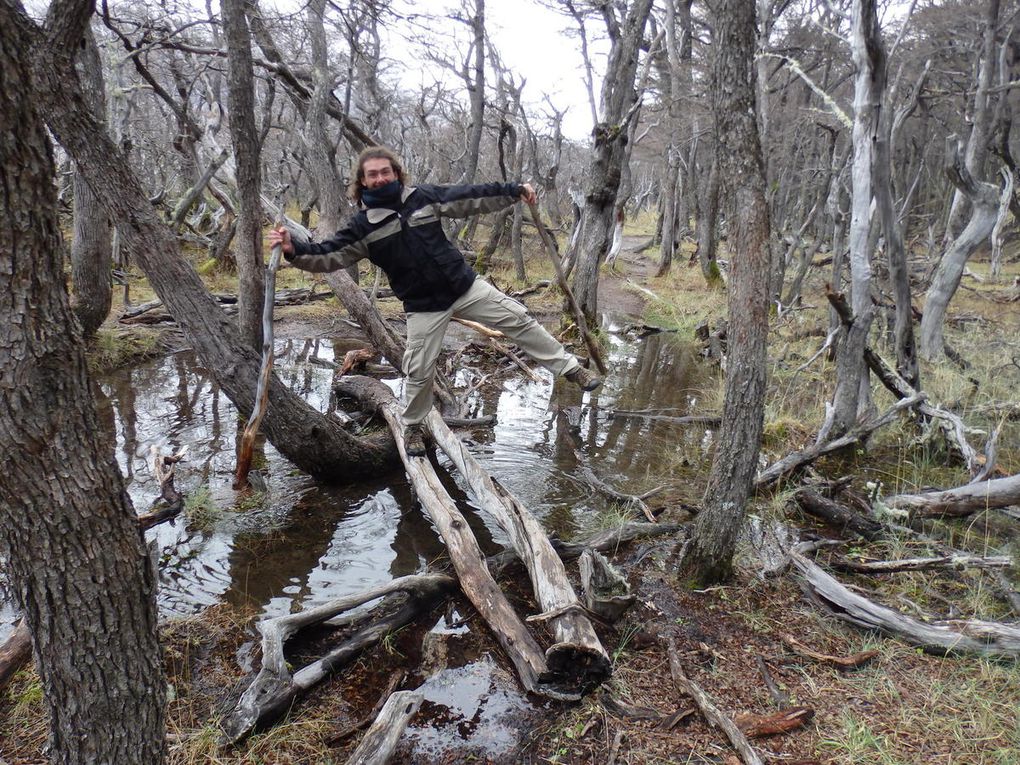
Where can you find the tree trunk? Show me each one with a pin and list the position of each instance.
(981, 120)
(91, 245)
(610, 136)
(672, 187)
(851, 371)
(741, 166)
(477, 93)
(312, 441)
(251, 269)
(881, 181)
(75, 558)
(984, 198)
(708, 226)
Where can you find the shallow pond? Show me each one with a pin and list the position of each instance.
(302, 543)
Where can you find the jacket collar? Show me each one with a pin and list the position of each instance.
(379, 214)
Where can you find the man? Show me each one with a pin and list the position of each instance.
(399, 229)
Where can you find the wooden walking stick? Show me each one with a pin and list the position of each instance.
(251, 430)
(582, 325)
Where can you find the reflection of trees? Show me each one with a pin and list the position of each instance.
(261, 567)
(639, 384)
(416, 541)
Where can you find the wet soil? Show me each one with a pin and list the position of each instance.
(729, 639)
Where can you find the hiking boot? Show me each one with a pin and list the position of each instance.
(414, 443)
(584, 379)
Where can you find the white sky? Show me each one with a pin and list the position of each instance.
(531, 43)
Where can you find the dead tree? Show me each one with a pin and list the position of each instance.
(852, 394)
(984, 199)
(617, 108)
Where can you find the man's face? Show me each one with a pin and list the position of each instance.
(377, 172)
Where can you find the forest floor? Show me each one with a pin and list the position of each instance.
(742, 642)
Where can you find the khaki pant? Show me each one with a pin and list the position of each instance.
(486, 305)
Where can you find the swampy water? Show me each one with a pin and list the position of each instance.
(301, 543)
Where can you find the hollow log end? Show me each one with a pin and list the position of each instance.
(577, 667)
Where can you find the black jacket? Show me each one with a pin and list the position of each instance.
(425, 271)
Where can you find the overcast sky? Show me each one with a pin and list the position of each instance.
(530, 41)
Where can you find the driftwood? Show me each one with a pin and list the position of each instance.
(708, 420)
(984, 638)
(15, 652)
(961, 501)
(577, 653)
(710, 711)
(799, 459)
(606, 591)
(635, 500)
(838, 515)
(839, 662)
(783, 721)
(956, 562)
(381, 739)
(274, 689)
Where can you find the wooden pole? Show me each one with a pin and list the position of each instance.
(561, 279)
(251, 430)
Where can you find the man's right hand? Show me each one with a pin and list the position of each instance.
(281, 236)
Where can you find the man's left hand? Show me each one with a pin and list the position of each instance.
(528, 195)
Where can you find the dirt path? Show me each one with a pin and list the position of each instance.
(619, 289)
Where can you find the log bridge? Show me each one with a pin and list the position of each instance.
(577, 661)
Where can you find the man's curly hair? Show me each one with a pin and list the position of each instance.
(356, 185)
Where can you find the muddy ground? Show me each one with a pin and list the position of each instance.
(902, 706)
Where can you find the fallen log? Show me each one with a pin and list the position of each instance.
(974, 636)
(606, 592)
(956, 562)
(577, 660)
(838, 515)
(577, 653)
(15, 652)
(475, 579)
(149, 313)
(961, 501)
(271, 695)
(273, 690)
(796, 460)
(708, 420)
(381, 739)
(709, 710)
(951, 424)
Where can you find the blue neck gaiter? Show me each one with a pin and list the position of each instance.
(384, 196)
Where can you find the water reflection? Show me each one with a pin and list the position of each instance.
(304, 543)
